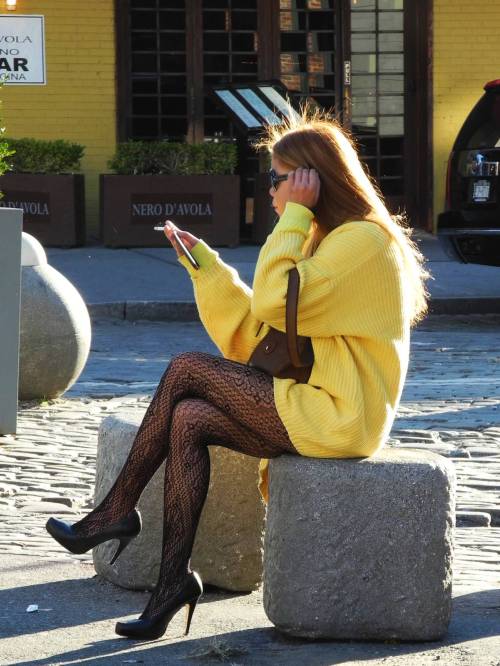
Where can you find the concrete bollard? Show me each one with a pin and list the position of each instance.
(360, 548)
(11, 224)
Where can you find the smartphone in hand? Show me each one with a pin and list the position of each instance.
(182, 246)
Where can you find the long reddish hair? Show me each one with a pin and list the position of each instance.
(314, 139)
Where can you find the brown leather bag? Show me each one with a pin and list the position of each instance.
(285, 355)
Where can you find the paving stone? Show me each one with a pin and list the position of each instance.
(479, 518)
(459, 453)
(58, 500)
(71, 485)
(45, 507)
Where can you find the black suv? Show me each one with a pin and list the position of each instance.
(470, 226)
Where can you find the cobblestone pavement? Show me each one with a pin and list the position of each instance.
(450, 404)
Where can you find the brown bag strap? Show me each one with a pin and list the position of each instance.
(292, 301)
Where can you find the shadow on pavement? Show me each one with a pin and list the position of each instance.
(77, 602)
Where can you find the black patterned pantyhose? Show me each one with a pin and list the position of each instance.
(201, 399)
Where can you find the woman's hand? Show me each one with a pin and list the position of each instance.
(188, 239)
(304, 187)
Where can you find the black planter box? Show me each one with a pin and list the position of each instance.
(206, 206)
(53, 205)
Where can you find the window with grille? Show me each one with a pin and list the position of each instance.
(158, 69)
(377, 88)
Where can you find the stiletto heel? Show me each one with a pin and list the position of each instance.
(146, 628)
(125, 530)
(190, 610)
(124, 542)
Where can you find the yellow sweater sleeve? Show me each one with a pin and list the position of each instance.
(281, 252)
(223, 302)
(341, 253)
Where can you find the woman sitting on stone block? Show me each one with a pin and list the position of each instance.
(361, 289)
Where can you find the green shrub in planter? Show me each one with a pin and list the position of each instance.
(5, 164)
(41, 156)
(5, 151)
(174, 159)
(152, 180)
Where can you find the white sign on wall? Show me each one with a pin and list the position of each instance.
(22, 49)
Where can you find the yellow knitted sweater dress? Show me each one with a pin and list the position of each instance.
(353, 305)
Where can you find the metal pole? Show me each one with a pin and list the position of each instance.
(11, 226)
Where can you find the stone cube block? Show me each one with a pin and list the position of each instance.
(360, 548)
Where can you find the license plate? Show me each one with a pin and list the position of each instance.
(481, 191)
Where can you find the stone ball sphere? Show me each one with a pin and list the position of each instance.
(32, 252)
(55, 333)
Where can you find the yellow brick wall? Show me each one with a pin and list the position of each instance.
(466, 56)
(78, 103)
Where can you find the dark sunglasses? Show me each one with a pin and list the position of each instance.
(275, 179)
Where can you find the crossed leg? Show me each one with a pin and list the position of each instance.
(201, 399)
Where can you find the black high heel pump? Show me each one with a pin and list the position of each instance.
(154, 628)
(124, 530)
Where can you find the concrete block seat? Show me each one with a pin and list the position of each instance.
(360, 548)
(227, 551)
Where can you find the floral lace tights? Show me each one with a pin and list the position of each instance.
(202, 399)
